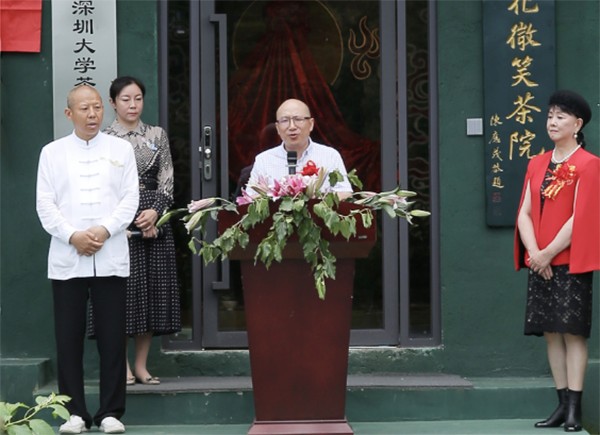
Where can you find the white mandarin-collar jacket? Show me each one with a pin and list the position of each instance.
(82, 184)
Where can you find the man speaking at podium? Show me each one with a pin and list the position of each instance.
(294, 124)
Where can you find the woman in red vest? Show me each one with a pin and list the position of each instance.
(558, 239)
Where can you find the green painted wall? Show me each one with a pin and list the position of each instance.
(482, 297)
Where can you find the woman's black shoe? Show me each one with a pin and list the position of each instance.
(558, 416)
(573, 418)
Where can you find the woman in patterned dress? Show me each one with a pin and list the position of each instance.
(153, 300)
(558, 239)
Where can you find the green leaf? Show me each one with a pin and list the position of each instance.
(367, 219)
(329, 264)
(264, 250)
(243, 239)
(9, 409)
(331, 199)
(263, 209)
(281, 231)
(62, 399)
(60, 411)
(299, 204)
(320, 209)
(5, 411)
(40, 427)
(231, 207)
(311, 257)
(277, 250)
(347, 228)
(420, 213)
(192, 245)
(354, 180)
(286, 204)
(332, 220)
(305, 228)
(19, 430)
(320, 285)
(335, 177)
(208, 254)
(41, 400)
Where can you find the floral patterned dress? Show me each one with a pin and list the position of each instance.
(153, 298)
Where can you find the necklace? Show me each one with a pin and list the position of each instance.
(565, 158)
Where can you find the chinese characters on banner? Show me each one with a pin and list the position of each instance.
(519, 77)
(84, 51)
(20, 25)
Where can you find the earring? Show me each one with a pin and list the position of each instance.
(575, 135)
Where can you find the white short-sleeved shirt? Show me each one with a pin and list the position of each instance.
(273, 165)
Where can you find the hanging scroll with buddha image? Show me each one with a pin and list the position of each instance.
(519, 59)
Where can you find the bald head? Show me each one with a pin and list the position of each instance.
(293, 104)
(80, 89)
(85, 110)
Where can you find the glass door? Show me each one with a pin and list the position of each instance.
(346, 60)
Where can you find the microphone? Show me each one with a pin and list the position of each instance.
(138, 234)
(292, 161)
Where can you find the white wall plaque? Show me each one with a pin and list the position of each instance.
(84, 50)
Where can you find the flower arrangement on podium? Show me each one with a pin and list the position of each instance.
(292, 194)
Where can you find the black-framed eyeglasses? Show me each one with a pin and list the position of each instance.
(298, 121)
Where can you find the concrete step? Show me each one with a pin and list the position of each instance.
(451, 427)
(377, 397)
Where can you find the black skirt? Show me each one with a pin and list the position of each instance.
(561, 305)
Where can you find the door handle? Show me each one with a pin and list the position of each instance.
(206, 153)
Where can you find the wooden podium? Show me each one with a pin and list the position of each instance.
(299, 343)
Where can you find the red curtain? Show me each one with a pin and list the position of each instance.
(20, 25)
(281, 66)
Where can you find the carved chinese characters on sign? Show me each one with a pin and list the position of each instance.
(83, 24)
(519, 74)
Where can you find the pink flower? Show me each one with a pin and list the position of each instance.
(194, 206)
(288, 186)
(279, 190)
(296, 185)
(260, 186)
(394, 200)
(244, 199)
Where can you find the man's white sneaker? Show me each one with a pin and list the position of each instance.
(111, 425)
(74, 424)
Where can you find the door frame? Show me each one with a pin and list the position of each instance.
(205, 25)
